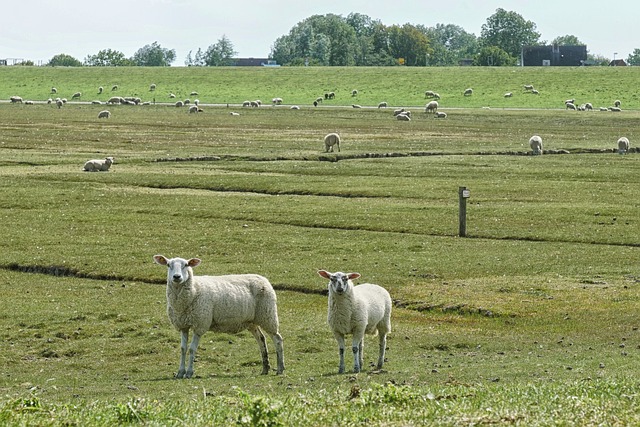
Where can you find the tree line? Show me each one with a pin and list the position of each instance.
(359, 40)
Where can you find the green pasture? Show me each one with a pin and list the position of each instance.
(532, 319)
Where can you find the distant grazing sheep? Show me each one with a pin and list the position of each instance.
(382, 105)
(49, 101)
(179, 104)
(588, 106)
(101, 165)
(431, 107)
(357, 310)
(228, 304)
(535, 142)
(436, 95)
(152, 87)
(277, 101)
(535, 92)
(193, 109)
(171, 95)
(615, 109)
(114, 88)
(54, 90)
(570, 101)
(233, 113)
(331, 95)
(254, 104)
(330, 140)
(356, 106)
(96, 102)
(617, 103)
(468, 92)
(100, 89)
(623, 145)
(246, 104)
(115, 100)
(570, 106)
(429, 94)
(508, 94)
(319, 100)
(76, 95)
(16, 99)
(59, 102)
(295, 107)
(194, 93)
(528, 87)
(354, 92)
(104, 114)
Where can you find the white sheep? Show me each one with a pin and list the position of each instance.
(398, 111)
(100, 89)
(104, 114)
(617, 103)
(508, 94)
(276, 101)
(59, 102)
(54, 90)
(114, 88)
(535, 92)
(101, 165)
(193, 109)
(440, 115)
(570, 106)
(356, 106)
(535, 142)
(354, 92)
(233, 113)
(431, 107)
(615, 109)
(179, 104)
(588, 106)
(229, 304)
(15, 99)
(295, 107)
(246, 104)
(194, 93)
(623, 145)
(404, 117)
(330, 140)
(76, 95)
(468, 92)
(382, 105)
(152, 87)
(115, 100)
(528, 87)
(357, 310)
(429, 94)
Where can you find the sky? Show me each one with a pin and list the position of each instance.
(37, 30)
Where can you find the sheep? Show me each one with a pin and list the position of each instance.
(357, 310)
(588, 106)
(115, 100)
(100, 89)
(330, 140)
(172, 95)
(319, 100)
(535, 92)
(440, 115)
(508, 94)
(429, 94)
(101, 165)
(603, 109)
(196, 102)
(59, 102)
(228, 304)
(233, 113)
(431, 107)
(114, 88)
(54, 90)
(382, 105)
(295, 107)
(570, 101)
(96, 102)
(356, 106)
(468, 92)
(152, 87)
(254, 104)
(15, 99)
(354, 92)
(193, 109)
(179, 104)
(535, 142)
(615, 109)
(28, 102)
(331, 95)
(623, 145)
(570, 106)
(403, 117)
(104, 114)
(315, 103)
(246, 104)
(398, 111)
(76, 95)
(616, 103)
(194, 93)
(436, 95)
(528, 87)
(49, 101)
(276, 101)
(187, 101)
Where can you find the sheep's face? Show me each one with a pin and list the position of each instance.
(179, 269)
(338, 282)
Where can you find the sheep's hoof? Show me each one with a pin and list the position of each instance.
(180, 374)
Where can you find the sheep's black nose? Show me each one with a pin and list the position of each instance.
(177, 277)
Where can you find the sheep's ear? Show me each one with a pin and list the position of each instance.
(160, 259)
(352, 276)
(325, 274)
(194, 262)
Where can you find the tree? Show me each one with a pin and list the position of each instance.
(410, 44)
(107, 58)
(154, 55)
(568, 40)
(64, 60)
(493, 56)
(218, 54)
(509, 31)
(634, 58)
(450, 44)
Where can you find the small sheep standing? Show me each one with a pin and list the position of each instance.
(330, 140)
(101, 165)
(623, 145)
(357, 310)
(229, 304)
(104, 114)
(535, 142)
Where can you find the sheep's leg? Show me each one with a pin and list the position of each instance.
(262, 343)
(278, 342)
(338, 144)
(357, 346)
(383, 346)
(183, 353)
(192, 354)
(340, 339)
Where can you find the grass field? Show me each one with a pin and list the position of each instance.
(530, 320)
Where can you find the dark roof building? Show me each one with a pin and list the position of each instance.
(568, 56)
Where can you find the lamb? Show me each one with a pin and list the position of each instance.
(535, 142)
(228, 304)
(330, 140)
(431, 107)
(468, 92)
(101, 165)
(179, 104)
(357, 310)
(104, 114)
(623, 145)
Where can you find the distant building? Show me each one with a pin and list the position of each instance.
(618, 63)
(255, 62)
(567, 56)
(3, 62)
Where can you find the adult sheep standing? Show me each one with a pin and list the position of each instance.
(431, 107)
(623, 145)
(357, 310)
(535, 142)
(330, 140)
(104, 114)
(229, 304)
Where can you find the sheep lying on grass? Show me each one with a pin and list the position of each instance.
(357, 310)
(535, 142)
(330, 140)
(101, 165)
(623, 145)
(440, 115)
(229, 304)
